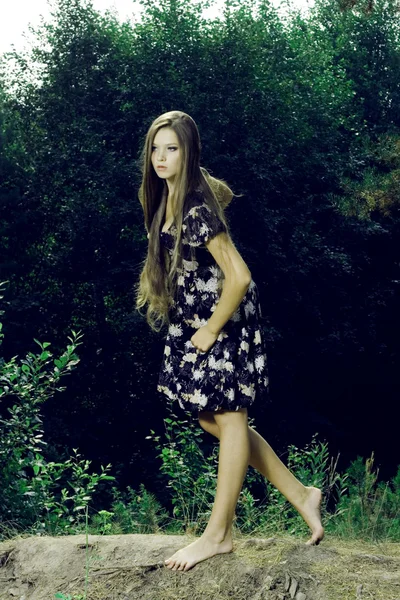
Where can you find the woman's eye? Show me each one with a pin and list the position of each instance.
(169, 148)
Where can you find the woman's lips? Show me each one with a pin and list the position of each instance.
(161, 167)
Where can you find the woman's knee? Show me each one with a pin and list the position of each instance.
(207, 422)
(206, 417)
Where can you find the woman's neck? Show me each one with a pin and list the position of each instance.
(170, 199)
(171, 186)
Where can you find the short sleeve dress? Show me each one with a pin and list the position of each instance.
(234, 371)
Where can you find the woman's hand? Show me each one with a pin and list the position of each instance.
(203, 339)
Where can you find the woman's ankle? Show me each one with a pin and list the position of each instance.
(218, 536)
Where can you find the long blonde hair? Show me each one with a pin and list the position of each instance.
(157, 282)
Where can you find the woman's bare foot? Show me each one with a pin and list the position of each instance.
(311, 513)
(199, 550)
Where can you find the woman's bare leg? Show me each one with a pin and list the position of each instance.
(234, 455)
(306, 500)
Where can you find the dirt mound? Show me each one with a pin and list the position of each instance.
(130, 567)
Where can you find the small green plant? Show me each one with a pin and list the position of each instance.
(190, 476)
(135, 512)
(102, 522)
(64, 506)
(371, 509)
(313, 466)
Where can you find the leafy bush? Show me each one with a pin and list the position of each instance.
(190, 476)
(31, 495)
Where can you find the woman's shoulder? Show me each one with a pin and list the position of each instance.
(200, 221)
(194, 199)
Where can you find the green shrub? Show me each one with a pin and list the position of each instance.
(135, 512)
(32, 494)
(190, 476)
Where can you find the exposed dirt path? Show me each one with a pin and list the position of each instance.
(130, 567)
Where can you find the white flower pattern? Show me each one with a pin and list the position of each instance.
(175, 330)
(234, 371)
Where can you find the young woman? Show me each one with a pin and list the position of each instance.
(214, 361)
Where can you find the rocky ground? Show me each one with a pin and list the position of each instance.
(130, 567)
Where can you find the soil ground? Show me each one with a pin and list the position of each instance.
(130, 567)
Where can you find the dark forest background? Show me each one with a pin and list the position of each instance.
(301, 115)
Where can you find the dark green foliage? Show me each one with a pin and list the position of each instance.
(301, 116)
(370, 510)
(354, 504)
(134, 512)
(32, 495)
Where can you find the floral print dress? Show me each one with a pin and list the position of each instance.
(233, 372)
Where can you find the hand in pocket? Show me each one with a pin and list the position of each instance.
(203, 339)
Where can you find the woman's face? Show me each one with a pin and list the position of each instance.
(166, 154)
